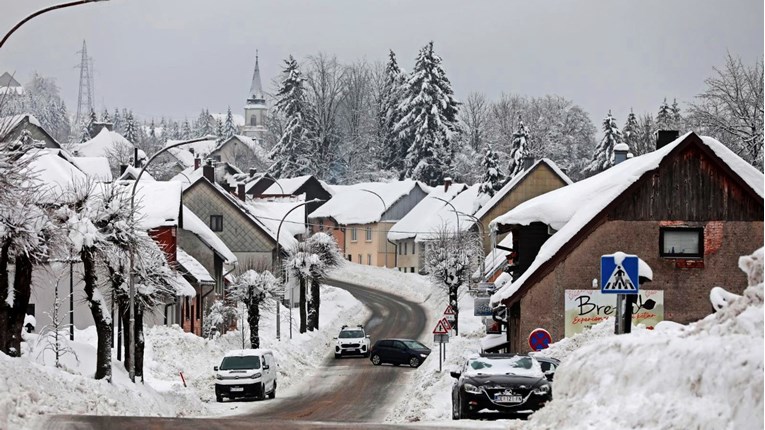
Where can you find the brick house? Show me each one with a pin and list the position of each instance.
(688, 209)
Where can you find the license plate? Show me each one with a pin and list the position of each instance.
(237, 389)
(500, 398)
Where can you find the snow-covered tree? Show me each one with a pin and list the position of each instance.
(53, 336)
(293, 152)
(731, 108)
(90, 126)
(325, 247)
(519, 149)
(117, 122)
(131, 129)
(229, 129)
(253, 289)
(677, 118)
(646, 135)
(394, 148)
(630, 131)
(493, 178)
(664, 117)
(603, 158)
(219, 130)
(105, 116)
(429, 120)
(185, 130)
(449, 260)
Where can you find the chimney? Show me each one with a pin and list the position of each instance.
(208, 171)
(620, 152)
(527, 162)
(253, 172)
(240, 191)
(447, 183)
(663, 137)
(135, 157)
(197, 163)
(123, 167)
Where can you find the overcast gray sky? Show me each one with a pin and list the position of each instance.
(174, 57)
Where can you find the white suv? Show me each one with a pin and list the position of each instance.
(352, 340)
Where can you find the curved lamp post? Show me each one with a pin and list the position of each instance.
(385, 209)
(42, 11)
(131, 291)
(481, 233)
(281, 269)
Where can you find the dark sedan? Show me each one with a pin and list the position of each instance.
(507, 383)
(398, 351)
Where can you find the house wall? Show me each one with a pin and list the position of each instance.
(538, 182)
(412, 258)
(329, 226)
(381, 251)
(243, 238)
(403, 205)
(686, 290)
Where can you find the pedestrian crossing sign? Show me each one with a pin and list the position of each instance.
(619, 274)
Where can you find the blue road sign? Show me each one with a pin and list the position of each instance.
(619, 274)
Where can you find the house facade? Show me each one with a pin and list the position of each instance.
(688, 210)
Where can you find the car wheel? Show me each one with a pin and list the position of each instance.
(376, 360)
(463, 412)
(219, 398)
(262, 394)
(414, 362)
(273, 392)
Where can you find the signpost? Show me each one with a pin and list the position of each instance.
(619, 274)
(482, 307)
(539, 339)
(440, 332)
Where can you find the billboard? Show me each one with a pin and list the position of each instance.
(585, 308)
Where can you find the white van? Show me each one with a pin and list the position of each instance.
(246, 373)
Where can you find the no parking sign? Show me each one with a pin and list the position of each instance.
(539, 339)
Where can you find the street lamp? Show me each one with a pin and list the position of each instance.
(385, 209)
(281, 270)
(131, 291)
(481, 233)
(42, 11)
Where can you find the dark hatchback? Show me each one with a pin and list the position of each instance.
(507, 383)
(398, 351)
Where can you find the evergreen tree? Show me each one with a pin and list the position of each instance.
(631, 132)
(91, 124)
(131, 131)
(603, 158)
(428, 119)
(493, 178)
(175, 131)
(519, 149)
(677, 119)
(185, 130)
(117, 123)
(105, 116)
(229, 129)
(63, 116)
(393, 148)
(664, 117)
(292, 153)
(219, 130)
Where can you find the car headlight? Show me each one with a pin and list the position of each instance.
(217, 376)
(424, 355)
(256, 375)
(542, 390)
(470, 388)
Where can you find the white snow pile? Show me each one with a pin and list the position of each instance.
(706, 375)
(408, 285)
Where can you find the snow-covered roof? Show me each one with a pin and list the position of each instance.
(192, 223)
(95, 167)
(562, 209)
(8, 123)
(271, 214)
(55, 175)
(517, 179)
(158, 203)
(105, 144)
(184, 153)
(11, 90)
(496, 258)
(466, 202)
(193, 267)
(286, 186)
(184, 288)
(352, 205)
(131, 173)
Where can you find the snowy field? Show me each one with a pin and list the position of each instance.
(706, 375)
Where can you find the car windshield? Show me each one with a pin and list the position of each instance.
(240, 363)
(413, 344)
(518, 365)
(351, 334)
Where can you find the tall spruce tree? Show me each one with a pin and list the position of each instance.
(393, 148)
(91, 125)
(493, 178)
(229, 129)
(603, 158)
(185, 130)
(519, 149)
(428, 121)
(292, 154)
(630, 131)
(677, 119)
(131, 130)
(117, 122)
(664, 117)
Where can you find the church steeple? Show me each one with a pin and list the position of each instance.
(256, 88)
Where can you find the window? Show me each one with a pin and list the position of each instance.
(411, 269)
(321, 225)
(400, 249)
(350, 257)
(406, 247)
(354, 236)
(253, 120)
(369, 234)
(369, 259)
(681, 242)
(216, 222)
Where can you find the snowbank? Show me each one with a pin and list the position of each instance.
(707, 375)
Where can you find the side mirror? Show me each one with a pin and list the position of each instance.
(215, 368)
(368, 337)
(549, 375)
(455, 375)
